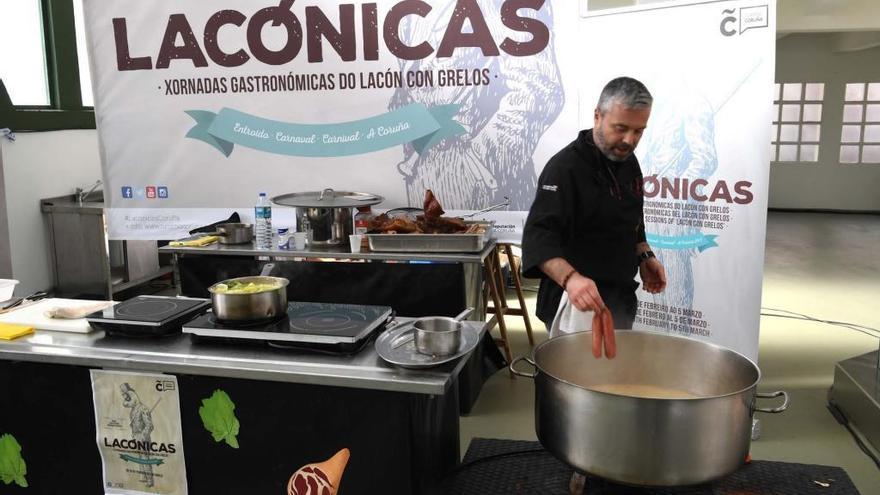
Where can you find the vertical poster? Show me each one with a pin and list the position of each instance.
(705, 157)
(137, 418)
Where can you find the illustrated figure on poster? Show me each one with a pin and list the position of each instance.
(504, 118)
(141, 421)
(680, 144)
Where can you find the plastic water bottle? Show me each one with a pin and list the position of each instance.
(263, 222)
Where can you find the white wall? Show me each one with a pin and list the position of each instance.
(36, 166)
(5, 255)
(826, 184)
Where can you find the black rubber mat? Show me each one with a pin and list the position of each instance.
(516, 467)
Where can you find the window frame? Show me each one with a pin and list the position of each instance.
(862, 124)
(65, 109)
(778, 122)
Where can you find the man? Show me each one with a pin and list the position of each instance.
(585, 233)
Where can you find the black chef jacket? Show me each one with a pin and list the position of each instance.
(589, 211)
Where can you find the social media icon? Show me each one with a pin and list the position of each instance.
(151, 192)
(139, 193)
(162, 191)
(127, 192)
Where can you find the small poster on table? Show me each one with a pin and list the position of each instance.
(137, 419)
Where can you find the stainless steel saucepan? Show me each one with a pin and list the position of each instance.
(256, 306)
(435, 335)
(234, 233)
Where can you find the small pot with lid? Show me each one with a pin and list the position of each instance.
(326, 214)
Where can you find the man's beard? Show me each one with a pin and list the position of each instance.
(599, 139)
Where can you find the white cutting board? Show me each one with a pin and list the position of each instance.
(32, 315)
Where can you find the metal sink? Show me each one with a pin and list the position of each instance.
(84, 261)
(93, 204)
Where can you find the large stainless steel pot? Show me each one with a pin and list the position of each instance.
(327, 214)
(251, 307)
(638, 440)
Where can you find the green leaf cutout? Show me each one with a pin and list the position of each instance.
(12, 466)
(219, 419)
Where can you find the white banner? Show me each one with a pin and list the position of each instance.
(202, 105)
(137, 418)
(705, 155)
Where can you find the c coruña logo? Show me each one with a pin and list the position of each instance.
(748, 18)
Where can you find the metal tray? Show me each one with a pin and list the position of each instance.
(406, 355)
(432, 243)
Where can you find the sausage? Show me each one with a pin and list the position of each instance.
(608, 334)
(598, 325)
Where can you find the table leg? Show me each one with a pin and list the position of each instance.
(523, 311)
(175, 267)
(493, 267)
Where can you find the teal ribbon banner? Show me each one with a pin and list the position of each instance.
(140, 460)
(414, 123)
(700, 241)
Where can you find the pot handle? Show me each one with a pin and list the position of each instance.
(267, 269)
(330, 189)
(779, 409)
(527, 359)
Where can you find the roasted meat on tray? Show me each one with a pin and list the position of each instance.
(432, 222)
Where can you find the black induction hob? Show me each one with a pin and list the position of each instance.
(147, 316)
(305, 322)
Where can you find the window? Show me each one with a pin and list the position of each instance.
(82, 48)
(797, 117)
(22, 60)
(860, 132)
(40, 67)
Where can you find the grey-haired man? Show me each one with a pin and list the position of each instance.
(585, 233)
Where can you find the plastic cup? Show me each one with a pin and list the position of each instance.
(299, 240)
(355, 241)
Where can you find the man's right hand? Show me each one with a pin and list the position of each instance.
(583, 293)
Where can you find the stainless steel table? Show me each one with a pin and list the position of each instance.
(402, 426)
(178, 354)
(472, 263)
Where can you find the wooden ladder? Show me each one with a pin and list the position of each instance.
(496, 288)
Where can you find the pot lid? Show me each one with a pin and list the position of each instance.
(328, 198)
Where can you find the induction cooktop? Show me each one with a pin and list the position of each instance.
(305, 322)
(148, 315)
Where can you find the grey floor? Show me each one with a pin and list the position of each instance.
(822, 265)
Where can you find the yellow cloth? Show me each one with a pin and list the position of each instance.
(9, 331)
(200, 242)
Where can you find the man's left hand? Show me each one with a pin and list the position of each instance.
(653, 275)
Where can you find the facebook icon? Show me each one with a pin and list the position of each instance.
(162, 192)
(127, 192)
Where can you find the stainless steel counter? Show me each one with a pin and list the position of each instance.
(338, 252)
(178, 354)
